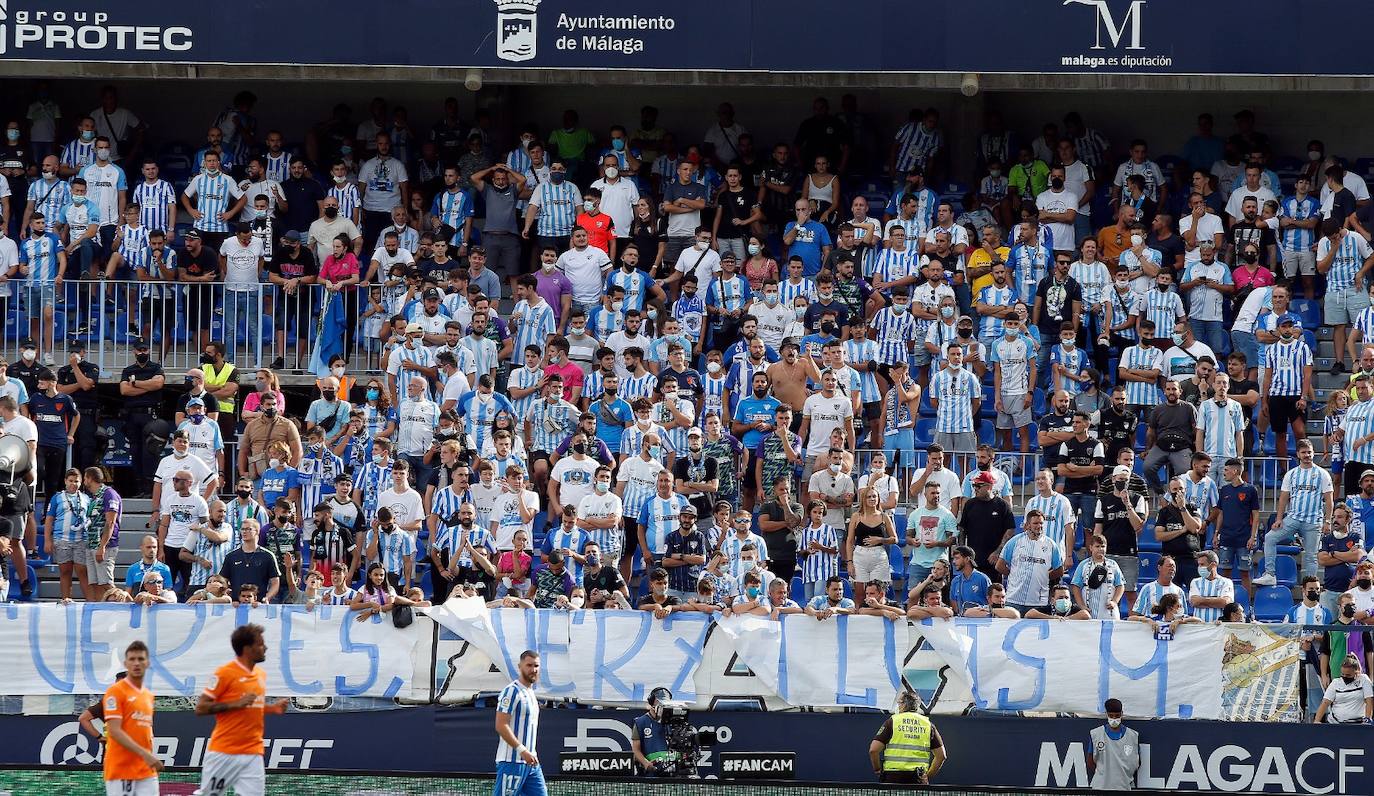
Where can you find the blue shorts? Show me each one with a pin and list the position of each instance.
(519, 779)
(1240, 554)
(39, 296)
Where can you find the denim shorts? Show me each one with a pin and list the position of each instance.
(38, 295)
(1241, 555)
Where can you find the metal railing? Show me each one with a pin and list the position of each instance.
(258, 324)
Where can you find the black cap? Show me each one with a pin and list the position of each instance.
(191, 234)
(432, 293)
(28, 343)
(140, 344)
(76, 347)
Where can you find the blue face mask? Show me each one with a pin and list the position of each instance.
(78, 200)
(345, 150)
(373, 394)
(197, 419)
(752, 591)
(618, 144)
(655, 451)
(557, 177)
(377, 460)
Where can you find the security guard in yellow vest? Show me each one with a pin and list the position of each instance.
(908, 749)
(217, 376)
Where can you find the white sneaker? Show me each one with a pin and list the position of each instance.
(1263, 580)
(47, 359)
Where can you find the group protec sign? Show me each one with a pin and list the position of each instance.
(1045, 36)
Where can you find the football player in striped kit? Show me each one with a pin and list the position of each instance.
(517, 725)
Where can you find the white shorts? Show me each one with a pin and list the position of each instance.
(243, 773)
(871, 563)
(132, 787)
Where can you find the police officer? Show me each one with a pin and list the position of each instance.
(908, 749)
(140, 388)
(79, 379)
(1115, 752)
(26, 369)
(648, 741)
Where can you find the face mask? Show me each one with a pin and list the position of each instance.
(1313, 595)
(49, 175)
(329, 395)
(1363, 583)
(1250, 257)
(800, 312)
(1162, 288)
(617, 306)
(1115, 724)
(1348, 610)
(754, 249)
(770, 298)
(1122, 284)
(835, 469)
(1314, 155)
(557, 177)
(141, 359)
(12, 135)
(994, 173)
(589, 206)
(752, 591)
(655, 451)
(713, 367)
(946, 312)
(197, 419)
(78, 200)
(900, 308)
(87, 135)
(1057, 183)
(548, 267)
(269, 411)
(244, 493)
(579, 448)
(1061, 605)
(826, 296)
(618, 144)
(702, 244)
(1013, 334)
(828, 327)
(331, 212)
(593, 559)
(612, 172)
(274, 463)
(377, 459)
(337, 371)
(602, 487)
(1177, 338)
(1136, 240)
(1067, 342)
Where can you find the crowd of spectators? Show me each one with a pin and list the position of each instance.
(634, 368)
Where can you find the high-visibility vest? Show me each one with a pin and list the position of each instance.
(909, 747)
(215, 379)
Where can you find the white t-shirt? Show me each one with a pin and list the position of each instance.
(1076, 176)
(455, 387)
(406, 507)
(182, 512)
(1347, 701)
(948, 480)
(826, 414)
(23, 428)
(484, 500)
(1208, 227)
(196, 466)
(1179, 366)
(585, 270)
(415, 431)
(265, 187)
(618, 201)
(241, 263)
(706, 268)
(9, 259)
(1239, 195)
(773, 322)
(575, 479)
(506, 517)
(1059, 202)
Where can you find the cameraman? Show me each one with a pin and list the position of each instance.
(648, 740)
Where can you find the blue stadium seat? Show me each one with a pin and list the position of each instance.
(427, 583)
(1149, 567)
(1140, 440)
(987, 432)
(899, 521)
(1285, 569)
(1287, 164)
(17, 596)
(1243, 600)
(1272, 603)
(1310, 338)
(926, 409)
(1038, 407)
(896, 559)
(988, 408)
(798, 590)
(924, 431)
(848, 589)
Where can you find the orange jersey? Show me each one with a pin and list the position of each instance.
(599, 228)
(133, 706)
(238, 731)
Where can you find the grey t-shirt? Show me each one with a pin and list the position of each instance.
(500, 208)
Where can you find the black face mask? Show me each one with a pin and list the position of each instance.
(269, 411)
(207, 359)
(1057, 183)
(141, 359)
(1313, 595)
(580, 448)
(761, 393)
(331, 212)
(244, 493)
(1363, 583)
(965, 331)
(1348, 611)
(329, 395)
(828, 328)
(1250, 257)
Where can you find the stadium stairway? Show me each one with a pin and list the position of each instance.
(133, 527)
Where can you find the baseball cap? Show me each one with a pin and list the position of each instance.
(28, 343)
(985, 478)
(1121, 469)
(413, 327)
(190, 234)
(194, 402)
(293, 236)
(433, 293)
(1367, 474)
(727, 256)
(694, 432)
(140, 344)
(76, 347)
(1289, 317)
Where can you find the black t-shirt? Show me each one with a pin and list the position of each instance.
(650, 602)
(257, 567)
(1053, 421)
(1116, 431)
(142, 373)
(204, 264)
(1180, 547)
(289, 266)
(26, 373)
(607, 580)
(735, 205)
(86, 400)
(302, 198)
(773, 202)
(1342, 205)
(984, 523)
(1116, 525)
(431, 266)
(750, 173)
(708, 469)
(1170, 249)
(822, 135)
(1084, 453)
(781, 545)
(1056, 300)
(17, 157)
(689, 380)
(1243, 232)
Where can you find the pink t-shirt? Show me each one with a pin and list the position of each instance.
(506, 563)
(572, 379)
(1262, 277)
(250, 404)
(336, 269)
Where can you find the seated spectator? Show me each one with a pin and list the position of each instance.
(967, 587)
(832, 602)
(658, 600)
(1061, 607)
(248, 596)
(152, 592)
(339, 592)
(216, 592)
(996, 607)
(725, 587)
(1233, 612)
(875, 602)
(376, 597)
(1348, 699)
(554, 586)
(513, 568)
(930, 606)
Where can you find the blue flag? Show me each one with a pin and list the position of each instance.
(329, 333)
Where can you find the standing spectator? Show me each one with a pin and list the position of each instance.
(101, 541)
(419, 416)
(182, 508)
(1058, 511)
(218, 201)
(1179, 528)
(931, 531)
(1287, 387)
(251, 566)
(56, 417)
(956, 395)
(1305, 506)
(78, 379)
(1140, 368)
(986, 521)
(1208, 594)
(870, 531)
(261, 432)
(1356, 435)
(1169, 440)
(1097, 584)
(781, 520)
(1082, 460)
(1341, 548)
(1208, 283)
(1119, 516)
(1221, 426)
(1238, 507)
(140, 387)
(1345, 259)
(1030, 562)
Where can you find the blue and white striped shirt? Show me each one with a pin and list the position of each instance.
(49, 199)
(1162, 307)
(1204, 586)
(955, 390)
(78, 154)
(1219, 424)
(820, 565)
(1286, 363)
(1201, 494)
(40, 254)
(332, 597)
(485, 353)
(524, 378)
(1138, 357)
(68, 513)
(521, 704)
(1306, 487)
(632, 386)
(214, 552)
(153, 199)
(1358, 423)
(990, 326)
(603, 322)
(478, 415)
(213, 196)
(788, 291)
(551, 423)
(636, 284)
(892, 333)
(1059, 514)
(1122, 304)
(864, 351)
(1073, 362)
(1094, 280)
(1030, 265)
(674, 439)
(1350, 256)
(727, 294)
(534, 327)
(277, 167)
(315, 476)
(714, 400)
(568, 537)
(133, 246)
(371, 480)
(916, 144)
(889, 265)
(1297, 239)
(1304, 615)
(392, 548)
(640, 478)
(453, 208)
(1150, 594)
(348, 197)
(558, 206)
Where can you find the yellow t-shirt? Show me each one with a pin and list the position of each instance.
(980, 258)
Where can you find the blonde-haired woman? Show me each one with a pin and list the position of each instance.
(865, 546)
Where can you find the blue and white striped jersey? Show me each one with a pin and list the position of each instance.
(955, 390)
(602, 322)
(1302, 614)
(568, 537)
(152, 199)
(392, 548)
(214, 552)
(636, 284)
(990, 326)
(893, 333)
(1305, 487)
(927, 202)
(732, 547)
(728, 294)
(213, 196)
(1351, 253)
(485, 353)
(68, 513)
(333, 597)
(916, 145)
(640, 479)
(1296, 239)
(453, 208)
(674, 439)
(1138, 357)
(1202, 494)
(521, 704)
(1030, 265)
(1358, 424)
(789, 290)
(1219, 424)
(1285, 367)
(1149, 595)
(78, 154)
(479, 415)
(133, 245)
(860, 351)
(371, 480)
(889, 265)
(1164, 307)
(1059, 514)
(535, 325)
(714, 400)
(551, 424)
(1211, 587)
(658, 517)
(632, 386)
(558, 207)
(1365, 323)
(277, 167)
(40, 254)
(348, 198)
(818, 566)
(1121, 304)
(1094, 279)
(1073, 361)
(49, 199)
(524, 378)
(315, 476)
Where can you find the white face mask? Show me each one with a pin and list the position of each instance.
(1136, 240)
(1115, 724)
(337, 370)
(612, 172)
